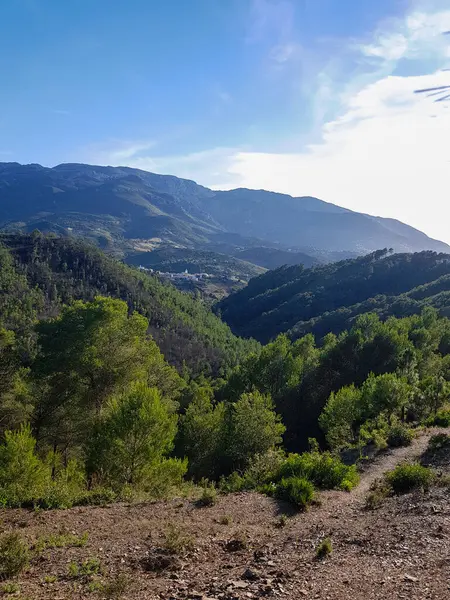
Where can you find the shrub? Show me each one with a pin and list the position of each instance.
(399, 435)
(99, 496)
(282, 521)
(379, 492)
(208, 497)
(407, 477)
(10, 588)
(233, 483)
(324, 549)
(324, 470)
(439, 441)
(440, 419)
(297, 490)
(177, 541)
(61, 541)
(226, 520)
(14, 555)
(89, 567)
(238, 542)
(263, 468)
(116, 588)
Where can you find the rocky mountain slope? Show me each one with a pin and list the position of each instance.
(125, 210)
(399, 550)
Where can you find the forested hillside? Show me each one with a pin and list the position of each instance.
(323, 299)
(116, 386)
(43, 273)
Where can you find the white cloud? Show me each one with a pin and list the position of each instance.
(418, 36)
(117, 152)
(387, 153)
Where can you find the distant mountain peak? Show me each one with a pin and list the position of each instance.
(122, 203)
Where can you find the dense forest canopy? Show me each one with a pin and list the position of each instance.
(47, 272)
(115, 384)
(326, 298)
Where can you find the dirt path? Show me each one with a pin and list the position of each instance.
(401, 550)
(388, 460)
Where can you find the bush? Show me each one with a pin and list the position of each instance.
(407, 477)
(438, 442)
(116, 588)
(14, 555)
(325, 548)
(177, 541)
(399, 435)
(379, 492)
(440, 419)
(208, 497)
(99, 496)
(263, 468)
(324, 470)
(233, 483)
(296, 490)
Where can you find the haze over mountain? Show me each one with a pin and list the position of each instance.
(129, 210)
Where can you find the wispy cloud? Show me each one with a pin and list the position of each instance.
(270, 19)
(418, 36)
(385, 150)
(116, 152)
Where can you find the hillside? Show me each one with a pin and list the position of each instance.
(126, 211)
(327, 298)
(42, 273)
(399, 550)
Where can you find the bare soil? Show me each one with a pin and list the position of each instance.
(238, 549)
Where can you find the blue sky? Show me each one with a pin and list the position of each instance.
(299, 96)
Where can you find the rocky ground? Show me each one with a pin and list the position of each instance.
(241, 549)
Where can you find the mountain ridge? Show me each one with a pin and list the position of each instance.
(117, 207)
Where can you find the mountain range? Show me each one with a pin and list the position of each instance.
(131, 212)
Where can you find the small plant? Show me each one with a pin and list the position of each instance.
(282, 521)
(226, 520)
(14, 555)
(296, 490)
(407, 477)
(176, 541)
(61, 541)
(399, 435)
(324, 549)
(379, 492)
(237, 543)
(91, 566)
(96, 586)
(87, 568)
(10, 588)
(208, 497)
(116, 588)
(50, 579)
(73, 570)
(438, 442)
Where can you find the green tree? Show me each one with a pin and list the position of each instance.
(385, 394)
(340, 416)
(203, 435)
(91, 351)
(132, 437)
(23, 476)
(254, 428)
(15, 396)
